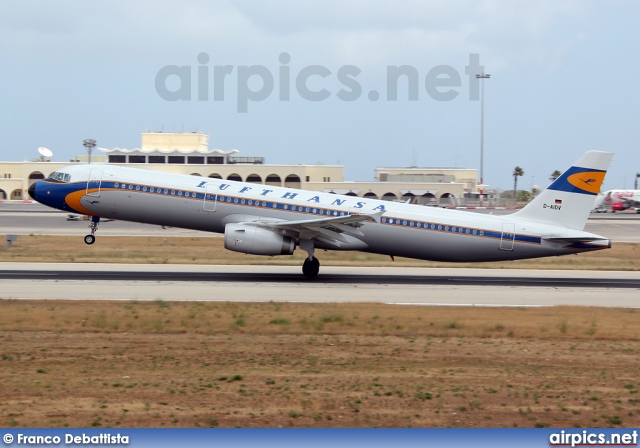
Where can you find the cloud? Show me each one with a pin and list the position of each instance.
(507, 34)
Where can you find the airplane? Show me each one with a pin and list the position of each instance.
(267, 220)
(619, 200)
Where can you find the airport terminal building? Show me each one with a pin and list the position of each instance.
(189, 153)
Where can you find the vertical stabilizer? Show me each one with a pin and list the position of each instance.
(569, 199)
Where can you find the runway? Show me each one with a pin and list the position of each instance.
(401, 286)
(409, 286)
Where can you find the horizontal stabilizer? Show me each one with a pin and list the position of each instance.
(583, 243)
(573, 240)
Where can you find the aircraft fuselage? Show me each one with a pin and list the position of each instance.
(406, 230)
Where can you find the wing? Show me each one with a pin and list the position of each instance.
(631, 202)
(329, 229)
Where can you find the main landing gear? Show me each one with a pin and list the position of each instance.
(90, 239)
(311, 265)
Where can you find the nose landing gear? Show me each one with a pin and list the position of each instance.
(90, 239)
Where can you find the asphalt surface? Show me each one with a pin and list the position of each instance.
(401, 286)
(489, 279)
(407, 286)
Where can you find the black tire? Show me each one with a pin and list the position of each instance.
(89, 239)
(310, 268)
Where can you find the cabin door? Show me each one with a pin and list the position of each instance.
(210, 197)
(508, 236)
(94, 183)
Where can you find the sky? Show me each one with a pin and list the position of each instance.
(314, 82)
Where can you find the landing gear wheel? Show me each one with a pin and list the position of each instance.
(311, 267)
(90, 239)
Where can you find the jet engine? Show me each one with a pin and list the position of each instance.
(619, 206)
(255, 240)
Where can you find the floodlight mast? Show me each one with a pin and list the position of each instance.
(482, 77)
(89, 143)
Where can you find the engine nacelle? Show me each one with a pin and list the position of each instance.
(255, 240)
(619, 206)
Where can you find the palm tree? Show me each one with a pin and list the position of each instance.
(555, 175)
(517, 172)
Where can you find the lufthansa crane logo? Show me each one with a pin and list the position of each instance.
(588, 181)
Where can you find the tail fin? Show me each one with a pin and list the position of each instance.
(569, 199)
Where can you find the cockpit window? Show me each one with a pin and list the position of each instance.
(60, 177)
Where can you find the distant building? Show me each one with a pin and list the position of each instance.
(189, 153)
(176, 149)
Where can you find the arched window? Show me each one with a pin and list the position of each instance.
(273, 179)
(35, 176)
(388, 197)
(292, 181)
(447, 199)
(235, 177)
(215, 176)
(254, 179)
(409, 198)
(428, 199)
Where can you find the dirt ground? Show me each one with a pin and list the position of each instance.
(177, 364)
(181, 364)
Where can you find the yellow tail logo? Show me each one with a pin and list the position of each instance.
(589, 181)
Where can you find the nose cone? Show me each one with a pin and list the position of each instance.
(32, 190)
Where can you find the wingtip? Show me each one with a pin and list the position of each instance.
(377, 216)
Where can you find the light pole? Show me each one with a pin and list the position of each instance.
(482, 77)
(89, 144)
